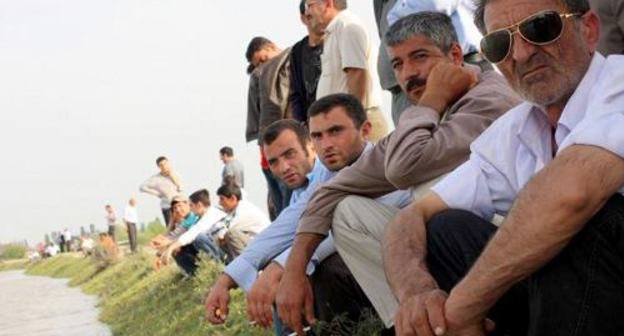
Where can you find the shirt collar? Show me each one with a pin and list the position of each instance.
(331, 27)
(574, 110)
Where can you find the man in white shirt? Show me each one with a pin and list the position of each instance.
(183, 249)
(244, 221)
(553, 166)
(348, 60)
(131, 218)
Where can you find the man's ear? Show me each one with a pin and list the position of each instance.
(457, 54)
(366, 129)
(590, 30)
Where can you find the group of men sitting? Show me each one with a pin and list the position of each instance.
(495, 207)
(221, 232)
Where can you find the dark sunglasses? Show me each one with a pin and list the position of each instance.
(539, 29)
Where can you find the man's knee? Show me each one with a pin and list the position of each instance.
(345, 215)
(452, 222)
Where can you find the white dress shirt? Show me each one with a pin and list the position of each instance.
(131, 215)
(518, 145)
(208, 220)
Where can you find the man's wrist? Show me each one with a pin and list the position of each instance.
(226, 281)
(434, 101)
(462, 310)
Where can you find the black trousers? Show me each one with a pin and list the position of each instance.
(111, 231)
(187, 259)
(336, 292)
(167, 216)
(579, 292)
(132, 235)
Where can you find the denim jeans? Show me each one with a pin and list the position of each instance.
(186, 259)
(204, 242)
(579, 292)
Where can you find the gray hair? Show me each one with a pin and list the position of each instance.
(435, 26)
(574, 6)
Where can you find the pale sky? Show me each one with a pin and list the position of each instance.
(92, 91)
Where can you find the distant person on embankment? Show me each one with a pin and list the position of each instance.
(164, 185)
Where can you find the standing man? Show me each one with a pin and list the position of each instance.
(611, 14)
(67, 237)
(348, 59)
(388, 81)
(267, 101)
(163, 185)
(305, 67)
(232, 167)
(131, 218)
(111, 219)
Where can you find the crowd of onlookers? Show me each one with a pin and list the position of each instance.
(494, 207)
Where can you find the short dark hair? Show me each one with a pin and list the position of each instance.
(201, 196)
(352, 106)
(160, 159)
(573, 6)
(226, 151)
(435, 26)
(302, 7)
(256, 44)
(229, 190)
(274, 130)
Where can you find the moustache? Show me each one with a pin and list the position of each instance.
(414, 82)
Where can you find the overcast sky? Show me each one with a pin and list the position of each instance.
(92, 91)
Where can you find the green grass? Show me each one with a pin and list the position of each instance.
(136, 300)
(12, 251)
(11, 265)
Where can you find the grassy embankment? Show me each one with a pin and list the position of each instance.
(136, 300)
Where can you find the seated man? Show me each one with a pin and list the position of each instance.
(242, 223)
(554, 166)
(339, 129)
(453, 104)
(182, 219)
(182, 249)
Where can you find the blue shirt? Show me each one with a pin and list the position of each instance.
(279, 235)
(189, 221)
(276, 240)
(460, 11)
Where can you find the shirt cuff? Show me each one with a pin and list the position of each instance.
(283, 257)
(243, 272)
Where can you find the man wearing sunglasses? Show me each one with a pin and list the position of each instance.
(554, 166)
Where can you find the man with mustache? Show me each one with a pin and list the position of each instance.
(453, 104)
(554, 166)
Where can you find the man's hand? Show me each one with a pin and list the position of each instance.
(218, 300)
(422, 314)
(169, 252)
(294, 298)
(262, 295)
(445, 84)
(160, 242)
